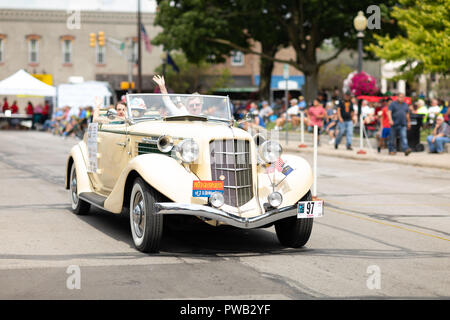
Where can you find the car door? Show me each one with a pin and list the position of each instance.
(113, 154)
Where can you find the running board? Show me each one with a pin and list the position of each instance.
(93, 198)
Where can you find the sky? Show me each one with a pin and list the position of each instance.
(101, 5)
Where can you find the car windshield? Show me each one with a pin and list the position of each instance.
(157, 106)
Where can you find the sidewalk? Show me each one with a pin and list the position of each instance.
(420, 159)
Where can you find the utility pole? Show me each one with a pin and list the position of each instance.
(139, 57)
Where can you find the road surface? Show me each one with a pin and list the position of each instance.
(385, 234)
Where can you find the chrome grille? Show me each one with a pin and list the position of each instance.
(231, 159)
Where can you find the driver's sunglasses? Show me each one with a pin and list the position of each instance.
(195, 105)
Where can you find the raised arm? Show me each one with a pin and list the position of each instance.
(173, 109)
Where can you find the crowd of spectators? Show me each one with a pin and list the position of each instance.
(387, 119)
(337, 115)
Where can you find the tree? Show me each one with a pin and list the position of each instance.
(424, 45)
(213, 28)
(193, 77)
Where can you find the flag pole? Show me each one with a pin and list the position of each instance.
(139, 58)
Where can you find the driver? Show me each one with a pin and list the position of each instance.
(193, 106)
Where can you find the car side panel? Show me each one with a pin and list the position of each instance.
(83, 182)
(161, 172)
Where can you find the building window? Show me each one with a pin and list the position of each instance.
(237, 58)
(100, 54)
(67, 51)
(33, 50)
(1, 50)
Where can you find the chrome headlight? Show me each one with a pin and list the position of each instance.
(187, 150)
(270, 151)
(216, 199)
(275, 199)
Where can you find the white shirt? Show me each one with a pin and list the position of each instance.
(293, 110)
(433, 110)
(367, 110)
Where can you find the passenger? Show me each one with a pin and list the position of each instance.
(120, 107)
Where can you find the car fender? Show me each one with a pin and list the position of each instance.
(293, 187)
(77, 159)
(163, 173)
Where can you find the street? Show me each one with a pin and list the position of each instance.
(385, 234)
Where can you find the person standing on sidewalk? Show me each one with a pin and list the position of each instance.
(385, 127)
(316, 114)
(345, 114)
(399, 120)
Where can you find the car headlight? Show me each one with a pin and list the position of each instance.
(275, 199)
(216, 199)
(270, 151)
(187, 150)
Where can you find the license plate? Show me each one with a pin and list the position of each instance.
(310, 209)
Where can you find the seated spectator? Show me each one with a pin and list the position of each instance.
(440, 136)
(301, 103)
(434, 110)
(293, 114)
(266, 111)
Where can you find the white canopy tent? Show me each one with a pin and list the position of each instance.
(22, 83)
(83, 94)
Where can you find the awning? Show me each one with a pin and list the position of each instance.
(22, 83)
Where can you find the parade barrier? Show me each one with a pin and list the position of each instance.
(314, 189)
(361, 136)
(302, 130)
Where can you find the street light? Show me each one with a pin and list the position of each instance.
(360, 24)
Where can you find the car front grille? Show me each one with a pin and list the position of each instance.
(231, 162)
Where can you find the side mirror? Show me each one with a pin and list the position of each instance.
(111, 114)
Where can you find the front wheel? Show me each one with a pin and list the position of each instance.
(293, 232)
(146, 226)
(79, 207)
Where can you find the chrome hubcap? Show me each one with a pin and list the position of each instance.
(73, 187)
(138, 215)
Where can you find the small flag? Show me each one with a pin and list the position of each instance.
(144, 35)
(279, 164)
(287, 170)
(172, 63)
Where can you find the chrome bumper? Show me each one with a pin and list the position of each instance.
(222, 216)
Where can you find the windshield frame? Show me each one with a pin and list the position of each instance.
(170, 95)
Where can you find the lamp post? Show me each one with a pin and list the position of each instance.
(360, 24)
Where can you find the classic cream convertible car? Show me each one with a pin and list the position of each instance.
(177, 155)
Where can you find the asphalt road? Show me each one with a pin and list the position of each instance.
(385, 234)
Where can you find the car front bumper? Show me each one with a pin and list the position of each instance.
(225, 217)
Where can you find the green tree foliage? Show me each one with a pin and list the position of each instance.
(211, 29)
(194, 77)
(425, 43)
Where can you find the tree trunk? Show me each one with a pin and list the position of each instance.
(265, 71)
(311, 84)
